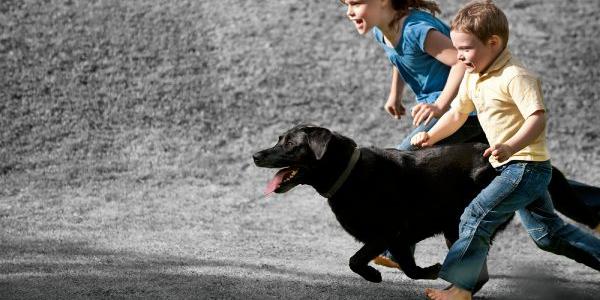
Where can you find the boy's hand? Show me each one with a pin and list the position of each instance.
(394, 107)
(500, 152)
(423, 112)
(420, 139)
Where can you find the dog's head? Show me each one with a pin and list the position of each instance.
(297, 154)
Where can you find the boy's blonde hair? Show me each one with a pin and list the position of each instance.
(482, 19)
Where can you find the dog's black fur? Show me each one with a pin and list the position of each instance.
(392, 199)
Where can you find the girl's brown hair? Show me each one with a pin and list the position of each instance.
(404, 5)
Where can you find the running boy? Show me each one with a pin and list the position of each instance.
(508, 101)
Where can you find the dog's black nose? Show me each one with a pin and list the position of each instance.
(257, 156)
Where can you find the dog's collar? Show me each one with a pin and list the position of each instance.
(338, 183)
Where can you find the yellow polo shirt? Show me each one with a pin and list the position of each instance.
(504, 96)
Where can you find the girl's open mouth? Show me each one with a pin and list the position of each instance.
(358, 23)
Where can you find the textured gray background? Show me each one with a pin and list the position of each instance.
(128, 128)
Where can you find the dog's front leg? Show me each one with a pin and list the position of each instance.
(359, 262)
(404, 256)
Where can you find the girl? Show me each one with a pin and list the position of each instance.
(419, 47)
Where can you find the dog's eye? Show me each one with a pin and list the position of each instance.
(289, 144)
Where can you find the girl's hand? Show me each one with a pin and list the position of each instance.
(420, 139)
(394, 107)
(424, 113)
(500, 152)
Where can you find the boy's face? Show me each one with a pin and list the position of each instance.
(472, 52)
(363, 13)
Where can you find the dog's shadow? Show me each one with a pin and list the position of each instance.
(65, 270)
(59, 269)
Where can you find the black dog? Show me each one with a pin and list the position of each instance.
(424, 192)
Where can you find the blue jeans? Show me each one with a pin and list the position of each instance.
(469, 132)
(519, 186)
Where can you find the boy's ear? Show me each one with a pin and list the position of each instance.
(495, 41)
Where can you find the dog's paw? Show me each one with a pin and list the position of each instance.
(372, 275)
(432, 272)
(367, 272)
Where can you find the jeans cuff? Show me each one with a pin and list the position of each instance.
(455, 282)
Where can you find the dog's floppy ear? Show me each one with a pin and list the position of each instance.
(318, 139)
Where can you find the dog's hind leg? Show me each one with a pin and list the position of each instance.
(405, 258)
(359, 262)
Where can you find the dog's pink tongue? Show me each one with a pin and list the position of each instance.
(272, 185)
(275, 182)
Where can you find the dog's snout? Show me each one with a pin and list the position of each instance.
(258, 156)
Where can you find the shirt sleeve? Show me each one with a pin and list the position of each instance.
(526, 92)
(376, 32)
(417, 35)
(462, 102)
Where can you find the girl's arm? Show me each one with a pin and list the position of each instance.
(448, 124)
(394, 103)
(440, 47)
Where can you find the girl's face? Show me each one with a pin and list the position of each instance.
(474, 54)
(363, 13)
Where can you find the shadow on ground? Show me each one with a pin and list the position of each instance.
(58, 269)
(531, 282)
(52, 269)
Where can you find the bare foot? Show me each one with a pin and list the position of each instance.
(386, 262)
(453, 293)
(597, 229)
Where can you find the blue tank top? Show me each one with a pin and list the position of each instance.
(425, 75)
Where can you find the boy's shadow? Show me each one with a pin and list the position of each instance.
(535, 282)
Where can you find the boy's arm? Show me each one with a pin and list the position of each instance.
(393, 104)
(527, 94)
(448, 124)
(440, 47)
(533, 126)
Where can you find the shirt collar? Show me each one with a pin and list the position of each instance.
(499, 62)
